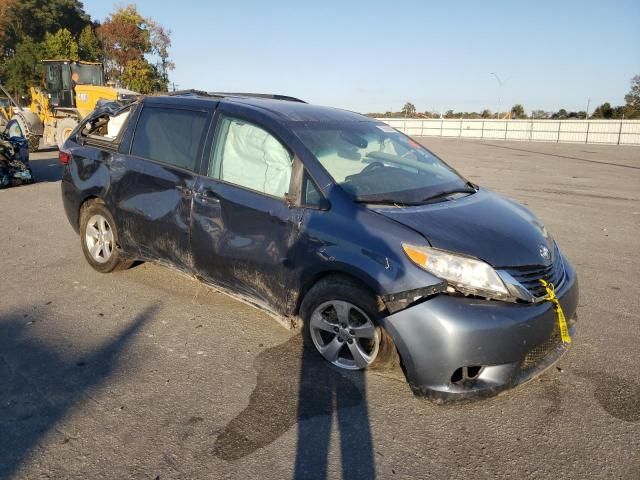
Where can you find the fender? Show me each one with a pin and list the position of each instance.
(332, 242)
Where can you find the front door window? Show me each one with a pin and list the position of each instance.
(249, 156)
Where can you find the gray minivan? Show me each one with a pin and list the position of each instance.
(331, 217)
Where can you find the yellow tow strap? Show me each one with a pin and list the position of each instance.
(562, 322)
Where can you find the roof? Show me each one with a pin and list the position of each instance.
(300, 112)
(284, 108)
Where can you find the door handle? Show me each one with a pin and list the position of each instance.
(208, 195)
(184, 191)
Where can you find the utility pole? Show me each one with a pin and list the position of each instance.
(499, 91)
(586, 117)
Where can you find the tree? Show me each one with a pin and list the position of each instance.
(24, 69)
(140, 76)
(127, 38)
(409, 109)
(560, 114)
(34, 18)
(603, 111)
(539, 114)
(632, 99)
(60, 46)
(6, 7)
(160, 43)
(517, 111)
(486, 113)
(23, 26)
(88, 45)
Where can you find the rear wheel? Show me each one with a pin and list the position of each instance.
(340, 322)
(99, 238)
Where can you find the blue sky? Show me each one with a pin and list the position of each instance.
(374, 55)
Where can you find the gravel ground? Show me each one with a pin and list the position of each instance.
(147, 374)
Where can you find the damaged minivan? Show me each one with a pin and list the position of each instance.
(14, 157)
(316, 214)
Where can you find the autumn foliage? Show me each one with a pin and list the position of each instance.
(133, 48)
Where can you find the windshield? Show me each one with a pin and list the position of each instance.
(377, 164)
(88, 74)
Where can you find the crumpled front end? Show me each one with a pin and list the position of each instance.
(456, 347)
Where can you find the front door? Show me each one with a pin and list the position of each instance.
(243, 230)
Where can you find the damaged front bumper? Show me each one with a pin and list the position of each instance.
(456, 348)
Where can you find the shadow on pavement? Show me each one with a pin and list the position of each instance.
(48, 169)
(39, 384)
(295, 385)
(619, 397)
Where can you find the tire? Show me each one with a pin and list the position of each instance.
(320, 306)
(63, 129)
(31, 128)
(99, 238)
(34, 143)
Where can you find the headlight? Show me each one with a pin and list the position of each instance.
(465, 274)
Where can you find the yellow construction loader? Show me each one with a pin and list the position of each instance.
(72, 91)
(6, 111)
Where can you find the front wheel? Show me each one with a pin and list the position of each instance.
(63, 130)
(340, 322)
(99, 238)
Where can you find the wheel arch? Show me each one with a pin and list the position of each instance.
(388, 359)
(85, 204)
(353, 275)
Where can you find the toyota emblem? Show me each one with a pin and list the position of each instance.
(544, 252)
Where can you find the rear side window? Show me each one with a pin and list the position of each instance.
(169, 136)
(249, 156)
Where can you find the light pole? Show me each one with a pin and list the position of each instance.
(586, 116)
(499, 91)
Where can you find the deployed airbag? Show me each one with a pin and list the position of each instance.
(253, 158)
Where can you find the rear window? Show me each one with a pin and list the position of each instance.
(169, 135)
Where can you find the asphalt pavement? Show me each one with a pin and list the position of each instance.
(146, 373)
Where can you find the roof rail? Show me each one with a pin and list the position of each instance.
(201, 93)
(271, 96)
(187, 93)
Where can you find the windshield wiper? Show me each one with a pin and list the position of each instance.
(382, 201)
(398, 203)
(449, 192)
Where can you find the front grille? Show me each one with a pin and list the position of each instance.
(538, 353)
(529, 276)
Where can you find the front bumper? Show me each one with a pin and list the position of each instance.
(511, 342)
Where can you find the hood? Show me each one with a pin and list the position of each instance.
(484, 225)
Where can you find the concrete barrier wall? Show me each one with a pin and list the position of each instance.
(617, 132)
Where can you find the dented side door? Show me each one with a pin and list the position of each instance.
(243, 239)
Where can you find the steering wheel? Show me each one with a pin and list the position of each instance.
(372, 166)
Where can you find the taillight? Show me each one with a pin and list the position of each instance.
(64, 157)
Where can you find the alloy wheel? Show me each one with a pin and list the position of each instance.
(99, 239)
(344, 335)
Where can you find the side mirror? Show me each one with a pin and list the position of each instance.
(323, 204)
